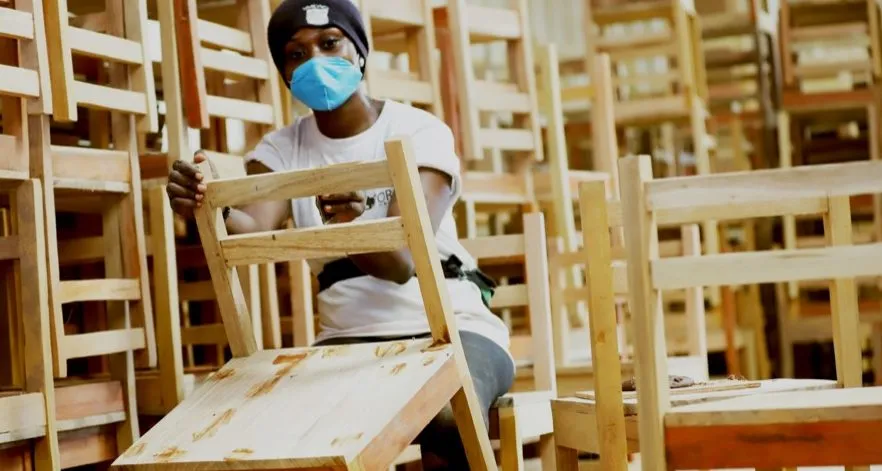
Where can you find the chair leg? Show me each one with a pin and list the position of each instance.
(510, 441)
(547, 453)
(567, 459)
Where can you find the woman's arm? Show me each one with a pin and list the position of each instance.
(398, 266)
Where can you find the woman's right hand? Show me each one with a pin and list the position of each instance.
(185, 188)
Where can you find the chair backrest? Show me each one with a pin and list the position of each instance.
(119, 36)
(412, 229)
(652, 33)
(817, 189)
(828, 41)
(531, 293)
(404, 29)
(231, 47)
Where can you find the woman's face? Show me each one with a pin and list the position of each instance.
(317, 42)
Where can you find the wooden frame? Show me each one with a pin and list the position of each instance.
(670, 435)
(377, 445)
(403, 27)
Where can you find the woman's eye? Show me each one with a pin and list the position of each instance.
(330, 43)
(297, 55)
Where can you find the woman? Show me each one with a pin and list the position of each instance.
(320, 49)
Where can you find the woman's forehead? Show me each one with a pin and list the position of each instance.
(312, 34)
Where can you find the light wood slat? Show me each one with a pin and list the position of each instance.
(92, 185)
(509, 296)
(109, 99)
(493, 23)
(222, 107)
(495, 247)
(227, 165)
(9, 248)
(224, 37)
(766, 186)
(16, 24)
(397, 12)
(17, 81)
(90, 421)
(501, 97)
(74, 291)
(103, 343)
(209, 334)
(104, 46)
(390, 85)
(633, 12)
(609, 44)
(82, 163)
(196, 291)
(81, 249)
(14, 163)
(494, 188)
(327, 241)
(154, 35)
(21, 416)
(508, 139)
(235, 64)
(767, 267)
(298, 183)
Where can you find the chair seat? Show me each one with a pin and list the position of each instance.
(783, 407)
(532, 413)
(700, 395)
(301, 408)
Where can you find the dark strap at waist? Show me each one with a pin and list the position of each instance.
(345, 269)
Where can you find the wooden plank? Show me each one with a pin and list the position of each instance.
(488, 23)
(325, 241)
(235, 64)
(711, 386)
(224, 37)
(222, 107)
(81, 163)
(494, 188)
(9, 248)
(392, 86)
(104, 46)
(508, 139)
(397, 14)
(73, 291)
(22, 417)
(16, 81)
(109, 98)
(88, 446)
(767, 267)
(509, 296)
(16, 24)
(103, 342)
(298, 183)
(501, 97)
(495, 247)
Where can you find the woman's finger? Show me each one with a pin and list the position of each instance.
(176, 190)
(187, 169)
(185, 181)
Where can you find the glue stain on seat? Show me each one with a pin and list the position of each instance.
(397, 368)
(135, 450)
(169, 454)
(223, 374)
(289, 361)
(239, 454)
(345, 439)
(209, 431)
(390, 349)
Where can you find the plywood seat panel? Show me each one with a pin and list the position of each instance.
(22, 417)
(285, 409)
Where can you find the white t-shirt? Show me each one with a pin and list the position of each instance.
(369, 306)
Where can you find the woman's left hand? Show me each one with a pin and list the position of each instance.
(341, 207)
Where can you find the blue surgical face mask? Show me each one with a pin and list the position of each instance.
(325, 83)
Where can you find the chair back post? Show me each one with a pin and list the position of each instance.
(539, 303)
(651, 370)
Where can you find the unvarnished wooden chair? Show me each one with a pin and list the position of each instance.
(755, 430)
(350, 407)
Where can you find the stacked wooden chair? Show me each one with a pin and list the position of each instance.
(403, 33)
(744, 79)
(790, 424)
(390, 390)
(28, 427)
(830, 113)
(99, 301)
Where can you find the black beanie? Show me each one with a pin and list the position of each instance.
(292, 15)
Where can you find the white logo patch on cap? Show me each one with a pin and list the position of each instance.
(316, 15)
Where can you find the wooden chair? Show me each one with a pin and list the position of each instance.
(402, 384)
(695, 436)
(744, 71)
(831, 64)
(402, 31)
(501, 185)
(99, 419)
(28, 429)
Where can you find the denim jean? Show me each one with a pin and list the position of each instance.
(492, 375)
